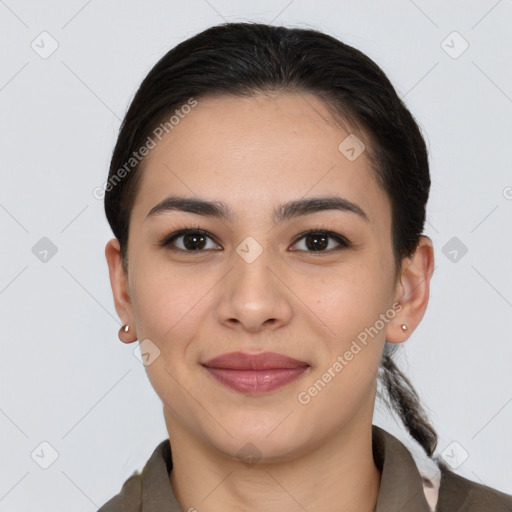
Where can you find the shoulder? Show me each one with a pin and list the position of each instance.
(459, 493)
(134, 493)
(129, 498)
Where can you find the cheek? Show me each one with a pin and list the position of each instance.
(354, 304)
(348, 299)
(166, 306)
(163, 299)
(351, 304)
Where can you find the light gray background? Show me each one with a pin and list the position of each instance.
(68, 381)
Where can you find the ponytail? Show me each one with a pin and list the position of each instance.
(404, 400)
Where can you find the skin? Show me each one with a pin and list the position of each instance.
(254, 154)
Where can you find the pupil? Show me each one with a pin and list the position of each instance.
(319, 242)
(194, 240)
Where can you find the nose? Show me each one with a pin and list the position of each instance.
(255, 296)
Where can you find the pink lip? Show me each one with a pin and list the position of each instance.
(255, 373)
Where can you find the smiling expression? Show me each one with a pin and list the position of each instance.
(288, 250)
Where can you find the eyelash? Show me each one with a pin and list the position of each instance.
(342, 241)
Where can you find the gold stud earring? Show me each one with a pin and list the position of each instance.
(123, 333)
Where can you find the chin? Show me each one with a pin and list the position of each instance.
(264, 437)
(260, 450)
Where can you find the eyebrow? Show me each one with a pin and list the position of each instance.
(284, 212)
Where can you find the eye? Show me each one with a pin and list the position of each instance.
(196, 240)
(192, 240)
(317, 241)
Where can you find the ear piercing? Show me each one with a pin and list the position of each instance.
(125, 335)
(126, 328)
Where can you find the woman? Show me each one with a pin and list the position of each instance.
(267, 193)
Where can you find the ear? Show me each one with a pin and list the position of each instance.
(120, 289)
(412, 291)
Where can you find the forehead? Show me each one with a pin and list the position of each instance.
(257, 152)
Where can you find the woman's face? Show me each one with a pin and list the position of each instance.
(255, 285)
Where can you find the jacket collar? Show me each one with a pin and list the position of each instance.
(400, 489)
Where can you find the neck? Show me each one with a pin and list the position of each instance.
(338, 475)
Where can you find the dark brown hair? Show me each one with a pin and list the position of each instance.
(242, 59)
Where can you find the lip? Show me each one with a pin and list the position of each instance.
(255, 373)
(263, 361)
